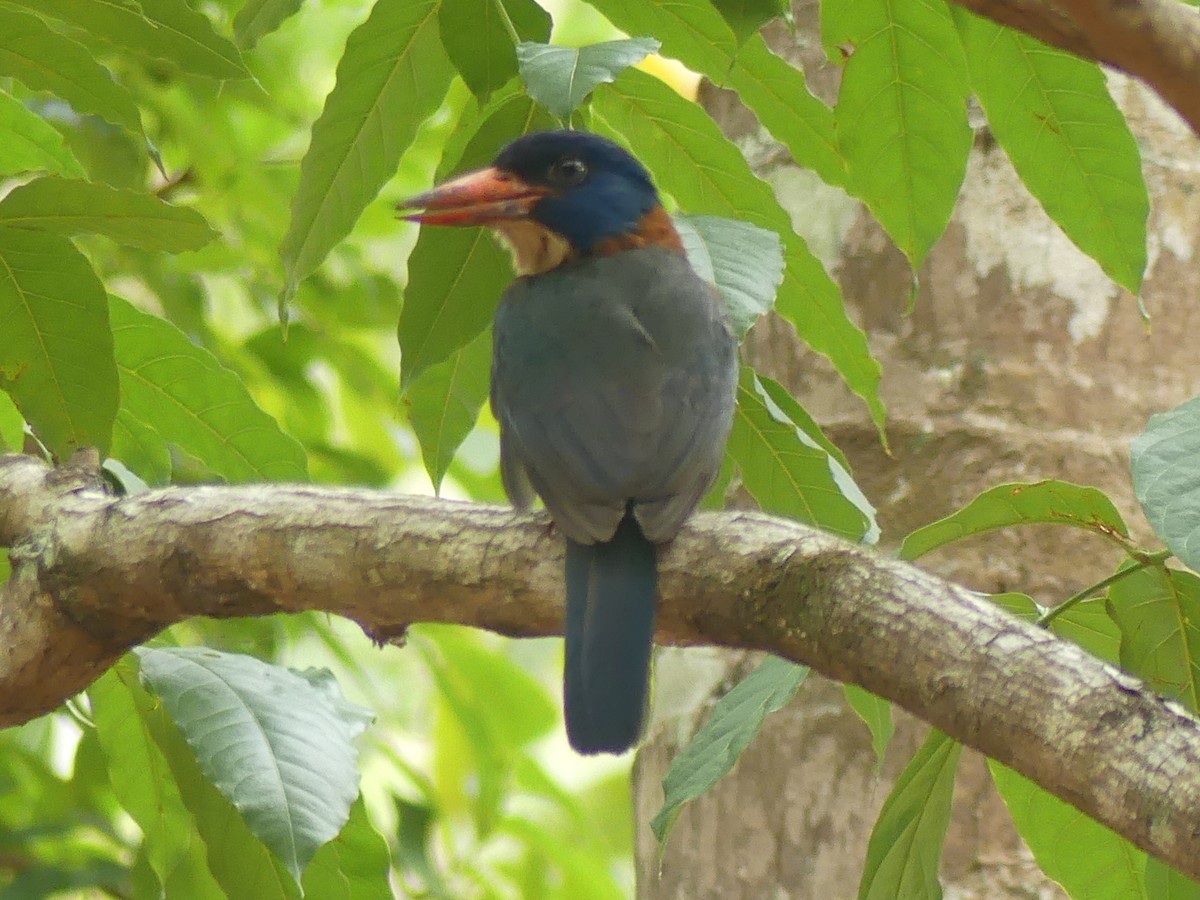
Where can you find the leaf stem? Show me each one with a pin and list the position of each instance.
(508, 23)
(1141, 561)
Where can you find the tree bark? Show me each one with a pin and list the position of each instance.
(94, 574)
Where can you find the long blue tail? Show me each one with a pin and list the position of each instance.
(611, 597)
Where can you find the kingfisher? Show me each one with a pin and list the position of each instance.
(613, 378)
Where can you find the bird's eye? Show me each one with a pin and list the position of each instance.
(568, 171)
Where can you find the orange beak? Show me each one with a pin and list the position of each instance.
(477, 198)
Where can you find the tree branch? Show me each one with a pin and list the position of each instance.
(94, 574)
(1157, 41)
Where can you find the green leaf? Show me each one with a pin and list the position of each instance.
(67, 206)
(735, 721)
(392, 76)
(444, 403)
(790, 472)
(12, 425)
(1082, 855)
(56, 358)
(140, 448)
(876, 714)
(776, 92)
(906, 842)
(456, 276)
(140, 775)
(28, 143)
(744, 261)
(901, 114)
(279, 747)
(693, 32)
(1071, 145)
(1039, 503)
(158, 29)
(354, 865)
(706, 173)
(414, 845)
(745, 17)
(191, 400)
(1166, 478)
(1164, 883)
(1087, 624)
(1158, 612)
(45, 60)
(560, 78)
(258, 18)
(476, 35)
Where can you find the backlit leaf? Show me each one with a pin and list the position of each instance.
(258, 18)
(1158, 612)
(393, 75)
(1047, 502)
(876, 714)
(70, 207)
(159, 29)
(1052, 114)
(45, 60)
(56, 357)
(1086, 858)
(444, 403)
(192, 401)
(476, 35)
(901, 114)
(28, 143)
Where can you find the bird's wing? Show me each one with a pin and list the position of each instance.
(613, 384)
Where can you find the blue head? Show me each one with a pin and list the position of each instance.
(596, 190)
(552, 195)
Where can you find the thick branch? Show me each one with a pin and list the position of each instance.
(1157, 41)
(94, 574)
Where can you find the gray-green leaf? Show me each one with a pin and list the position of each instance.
(278, 746)
(560, 78)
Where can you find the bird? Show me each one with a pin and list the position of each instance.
(613, 382)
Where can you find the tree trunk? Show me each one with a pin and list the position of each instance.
(1020, 361)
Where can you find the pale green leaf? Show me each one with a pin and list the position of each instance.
(560, 78)
(159, 29)
(28, 143)
(1166, 478)
(258, 18)
(876, 714)
(12, 425)
(56, 358)
(45, 60)
(68, 206)
(744, 261)
(1087, 859)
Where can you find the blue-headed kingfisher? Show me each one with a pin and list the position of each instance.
(613, 381)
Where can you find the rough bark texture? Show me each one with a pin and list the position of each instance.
(95, 574)
(1020, 361)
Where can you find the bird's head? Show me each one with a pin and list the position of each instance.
(554, 196)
